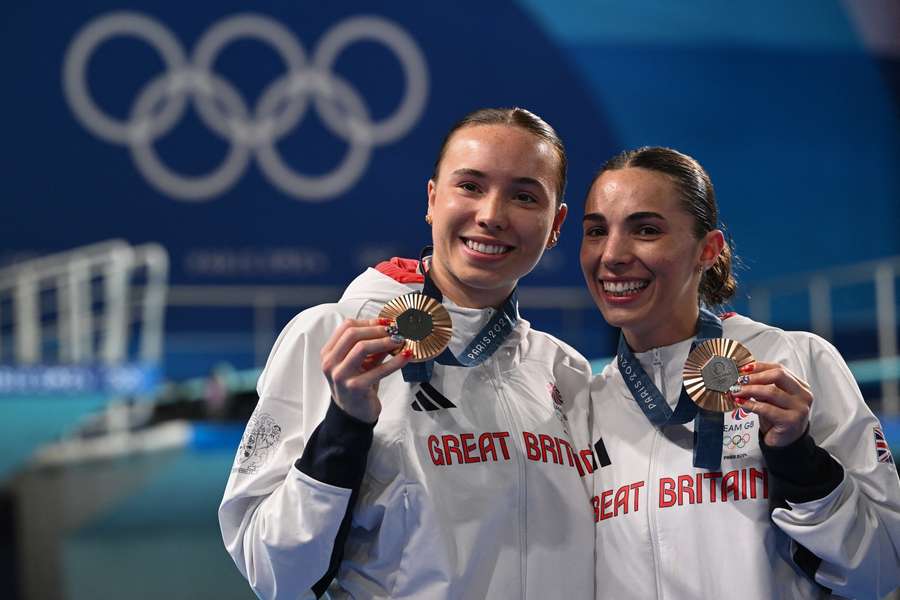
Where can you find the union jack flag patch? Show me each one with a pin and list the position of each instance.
(882, 450)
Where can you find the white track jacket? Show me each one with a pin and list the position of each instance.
(669, 531)
(474, 485)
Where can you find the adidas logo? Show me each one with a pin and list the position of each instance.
(429, 399)
(601, 454)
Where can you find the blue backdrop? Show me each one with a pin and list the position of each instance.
(793, 108)
(68, 186)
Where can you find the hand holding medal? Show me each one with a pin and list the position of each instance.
(781, 399)
(721, 374)
(353, 361)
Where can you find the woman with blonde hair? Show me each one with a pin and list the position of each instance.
(458, 477)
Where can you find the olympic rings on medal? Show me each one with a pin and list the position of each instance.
(737, 440)
(161, 102)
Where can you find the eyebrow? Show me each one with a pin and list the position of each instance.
(483, 175)
(638, 216)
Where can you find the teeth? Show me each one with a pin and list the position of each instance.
(622, 288)
(486, 249)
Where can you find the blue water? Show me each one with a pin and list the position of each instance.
(29, 422)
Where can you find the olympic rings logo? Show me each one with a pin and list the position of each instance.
(738, 440)
(161, 102)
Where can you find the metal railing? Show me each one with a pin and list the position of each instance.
(84, 302)
(820, 287)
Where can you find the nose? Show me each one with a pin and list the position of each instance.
(617, 250)
(492, 212)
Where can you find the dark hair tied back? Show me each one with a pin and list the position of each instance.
(698, 196)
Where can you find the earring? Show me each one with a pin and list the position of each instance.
(554, 239)
(428, 218)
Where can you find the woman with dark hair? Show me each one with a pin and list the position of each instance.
(777, 482)
(459, 477)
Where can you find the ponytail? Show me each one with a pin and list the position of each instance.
(718, 284)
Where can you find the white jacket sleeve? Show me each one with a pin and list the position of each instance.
(278, 523)
(850, 528)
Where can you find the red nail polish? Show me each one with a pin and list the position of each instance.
(747, 368)
(407, 353)
(384, 322)
(739, 401)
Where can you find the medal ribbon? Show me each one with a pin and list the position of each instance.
(707, 424)
(482, 346)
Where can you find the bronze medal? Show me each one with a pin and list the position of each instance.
(712, 368)
(423, 321)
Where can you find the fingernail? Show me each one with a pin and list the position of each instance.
(397, 338)
(734, 389)
(384, 322)
(748, 368)
(407, 353)
(392, 330)
(739, 401)
(744, 380)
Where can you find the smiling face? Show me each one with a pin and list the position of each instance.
(493, 205)
(640, 257)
